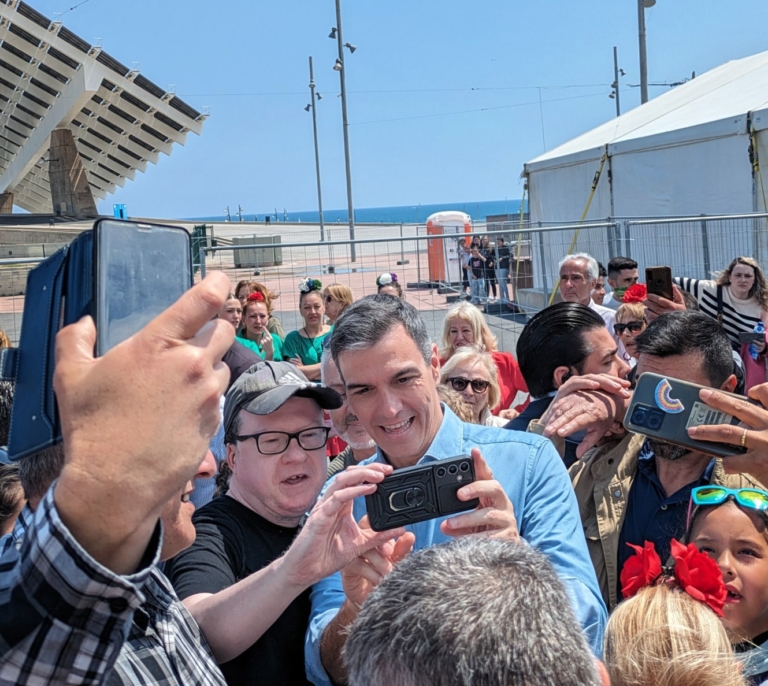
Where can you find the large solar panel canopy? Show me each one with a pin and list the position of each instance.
(51, 78)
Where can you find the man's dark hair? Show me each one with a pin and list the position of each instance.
(11, 493)
(6, 403)
(37, 472)
(690, 301)
(618, 264)
(554, 338)
(365, 322)
(471, 612)
(685, 332)
(601, 270)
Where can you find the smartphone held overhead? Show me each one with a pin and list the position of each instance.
(659, 281)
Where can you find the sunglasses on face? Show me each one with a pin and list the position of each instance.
(633, 327)
(459, 383)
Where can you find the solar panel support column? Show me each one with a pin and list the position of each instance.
(6, 203)
(70, 191)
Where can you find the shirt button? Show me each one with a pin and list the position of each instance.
(663, 507)
(118, 605)
(617, 493)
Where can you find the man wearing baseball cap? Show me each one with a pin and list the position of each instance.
(275, 440)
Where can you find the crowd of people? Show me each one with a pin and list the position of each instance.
(227, 539)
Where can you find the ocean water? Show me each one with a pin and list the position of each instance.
(406, 214)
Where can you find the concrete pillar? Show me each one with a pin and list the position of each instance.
(6, 203)
(70, 191)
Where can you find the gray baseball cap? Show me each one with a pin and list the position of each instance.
(267, 386)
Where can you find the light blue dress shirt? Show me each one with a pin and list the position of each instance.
(536, 482)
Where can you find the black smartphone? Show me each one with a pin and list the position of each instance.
(665, 408)
(416, 494)
(658, 280)
(750, 337)
(139, 271)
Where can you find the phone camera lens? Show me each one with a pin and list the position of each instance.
(638, 417)
(654, 421)
(453, 469)
(441, 472)
(464, 467)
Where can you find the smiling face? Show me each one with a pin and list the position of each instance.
(395, 399)
(344, 422)
(256, 318)
(281, 488)
(598, 292)
(472, 370)
(312, 309)
(575, 284)
(742, 280)
(232, 311)
(460, 333)
(176, 515)
(735, 539)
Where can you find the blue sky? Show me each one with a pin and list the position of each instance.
(443, 96)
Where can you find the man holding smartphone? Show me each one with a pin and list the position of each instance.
(522, 485)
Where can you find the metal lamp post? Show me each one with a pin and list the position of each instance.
(641, 6)
(339, 67)
(311, 107)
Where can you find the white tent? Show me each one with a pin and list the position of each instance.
(684, 153)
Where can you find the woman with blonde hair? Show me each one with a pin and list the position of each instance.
(245, 287)
(465, 325)
(471, 372)
(668, 632)
(337, 298)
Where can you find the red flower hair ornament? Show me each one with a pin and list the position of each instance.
(255, 297)
(694, 572)
(636, 293)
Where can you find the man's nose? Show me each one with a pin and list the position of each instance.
(207, 467)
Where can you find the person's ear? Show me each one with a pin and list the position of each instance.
(561, 375)
(231, 453)
(602, 670)
(729, 384)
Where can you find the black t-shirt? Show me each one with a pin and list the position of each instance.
(503, 251)
(232, 543)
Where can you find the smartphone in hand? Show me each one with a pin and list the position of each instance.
(659, 281)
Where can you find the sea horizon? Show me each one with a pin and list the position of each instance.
(398, 214)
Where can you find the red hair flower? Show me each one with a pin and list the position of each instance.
(255, 297)
(640, 570)
(699, 576)
(636, 293)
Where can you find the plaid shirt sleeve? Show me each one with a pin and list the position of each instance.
(63, 616)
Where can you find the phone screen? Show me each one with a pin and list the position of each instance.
(140, 270)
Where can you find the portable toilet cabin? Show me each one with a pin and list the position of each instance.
(445, 253)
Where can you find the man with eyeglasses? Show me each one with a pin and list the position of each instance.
(275, 440)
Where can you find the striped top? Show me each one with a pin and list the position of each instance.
(738, 315)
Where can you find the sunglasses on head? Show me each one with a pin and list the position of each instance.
(459, 383)
(752, 498)
(633, 327)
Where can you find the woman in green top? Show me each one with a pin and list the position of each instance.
(305, 347)
(268, 346)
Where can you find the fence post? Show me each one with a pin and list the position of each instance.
(402, 248)
(202, 259)
(543, 264)
(705, 247)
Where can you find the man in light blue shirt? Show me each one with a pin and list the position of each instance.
(390, 370)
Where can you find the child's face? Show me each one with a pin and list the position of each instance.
(735, 539)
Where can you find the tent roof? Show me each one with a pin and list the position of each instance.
(711, 105)
(52, 78)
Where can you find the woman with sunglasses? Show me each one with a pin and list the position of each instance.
(337, 298)
(465, 325)
(630, 322)
(731, 526)
(472, 373)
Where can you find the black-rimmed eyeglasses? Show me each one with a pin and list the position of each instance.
(275, 442)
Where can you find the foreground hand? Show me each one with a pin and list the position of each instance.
(494, 517)
(137, 421)
(594, 403)
(655, 305)
(509, 414)
(755, 421)
(331, 538)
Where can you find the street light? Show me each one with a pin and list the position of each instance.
(339, 67)
(641, 7)
(615, 85)
(311, 106)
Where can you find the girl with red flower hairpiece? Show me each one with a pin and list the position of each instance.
(735, 536)
(667, 631)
